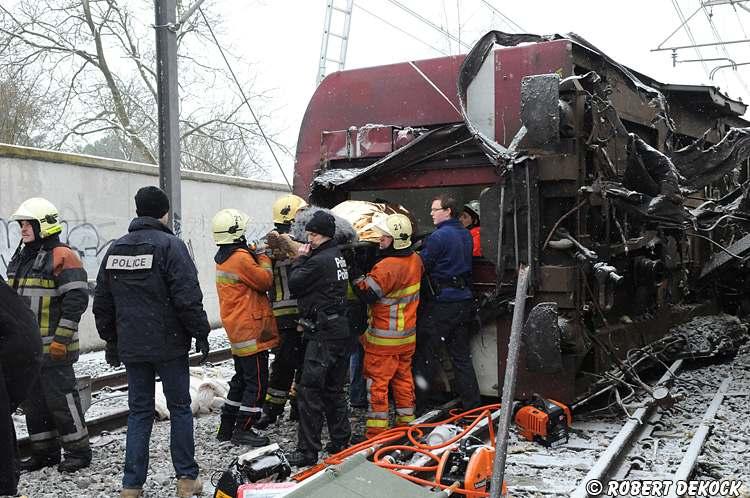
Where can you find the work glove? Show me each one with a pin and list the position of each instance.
(201, 346)
(57, 350)
(111, 355)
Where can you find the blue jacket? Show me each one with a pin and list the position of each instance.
(147, 297)
(446, 254)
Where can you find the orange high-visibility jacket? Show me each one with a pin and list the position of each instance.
(242, 282)
(392, 319)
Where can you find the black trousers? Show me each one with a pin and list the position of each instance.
(321, 393)
(445, 323)
(8, 451)
(15, 381)
(287, 362)
(247, 389)
(54, 416)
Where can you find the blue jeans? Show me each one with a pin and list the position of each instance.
(175, 378)
(357, 385)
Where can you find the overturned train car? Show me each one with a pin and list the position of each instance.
(621, 193)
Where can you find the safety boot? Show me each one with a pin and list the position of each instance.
(302, 459)
(72, 464)
(265, 420)
(36, 462)
(226, 427)
(249, 437)
(187, 487)
(333, 448)
(293, 411)
(131, 493)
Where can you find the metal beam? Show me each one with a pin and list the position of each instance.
(698, 45)
(169, 110)
(509, 384)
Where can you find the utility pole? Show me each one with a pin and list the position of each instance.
(168, 104)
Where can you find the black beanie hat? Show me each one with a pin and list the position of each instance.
(322, 223)
(151, 201)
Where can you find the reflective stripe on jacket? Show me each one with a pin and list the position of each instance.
(283, 304)
(395, 280)
(241, 283)
(54, 284)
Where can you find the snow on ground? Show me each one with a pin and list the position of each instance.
(528, 464)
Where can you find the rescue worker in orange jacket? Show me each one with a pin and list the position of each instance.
(289, 355)
(469, 218)
(391, 289)
(242, 280)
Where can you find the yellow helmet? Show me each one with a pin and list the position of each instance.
(397, 226)
(41, 210)
(285, 208)
(228, 226)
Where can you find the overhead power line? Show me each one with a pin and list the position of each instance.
(244, 97)
(429, 23)
(717, 36)
(689, 32)
(399, 29)
(507, 19)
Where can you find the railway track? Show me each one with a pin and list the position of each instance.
(118, 381)
(662, 440)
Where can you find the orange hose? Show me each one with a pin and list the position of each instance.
(413, 432)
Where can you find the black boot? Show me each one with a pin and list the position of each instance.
(73, 463)
(333, 448)
(244, 435)
(226, 427)
(265, 420)
(302, 459)
(36, 462)
(249, 437)
(293, 411)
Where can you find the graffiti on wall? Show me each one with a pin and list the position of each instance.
(83, 237)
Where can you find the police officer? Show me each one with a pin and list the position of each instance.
(20, 360)
(319, 280)
(446, 314)
(289, 354)
(242, 280)
(148, 306)
(50, 277)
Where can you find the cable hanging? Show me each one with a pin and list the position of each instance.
(244, 97)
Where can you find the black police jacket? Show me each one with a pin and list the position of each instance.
(147, 297)
(319, 282)
(20, 345)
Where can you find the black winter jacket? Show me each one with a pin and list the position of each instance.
(20, 345)
(147, 297)
(319, 282)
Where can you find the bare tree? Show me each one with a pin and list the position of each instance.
(22, 108)
(98, 56)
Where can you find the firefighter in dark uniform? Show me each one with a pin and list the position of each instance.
(319, 280)
(148, 306)
(49, 276)
(20, 360)
(288, 355)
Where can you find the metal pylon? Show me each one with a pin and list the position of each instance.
(335, 9)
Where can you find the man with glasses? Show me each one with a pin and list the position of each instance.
(446, 310)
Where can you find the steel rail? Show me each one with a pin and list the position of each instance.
(621, 443)
(699, 439)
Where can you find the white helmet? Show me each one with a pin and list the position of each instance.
(42, 211)
(228, 226)
(397, 226)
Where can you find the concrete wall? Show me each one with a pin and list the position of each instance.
(95, 200)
